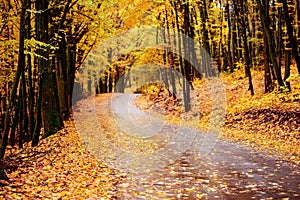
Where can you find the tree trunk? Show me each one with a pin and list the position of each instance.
(13, 94)
(12, 136)
(187, 65)
(245, 44)
(298, 19)
(38, 116)
(279, 40)
(234, 36)
(230, 60)
(221, 58)
(271, 46)
(293, 41)
(30, 79)
(52, 120)
(61, 69)
(205, 39)
(62, 76)
(287, 68)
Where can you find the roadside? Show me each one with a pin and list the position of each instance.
(268, 121)
(229, 171)
(61, 168)
(58, 168)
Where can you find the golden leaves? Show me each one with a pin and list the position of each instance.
(269, 120)
(59, 168)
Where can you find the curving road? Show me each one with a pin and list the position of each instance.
(186, 164)
(230, 171)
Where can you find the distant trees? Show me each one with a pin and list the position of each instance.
(249, 33)
(235, 34)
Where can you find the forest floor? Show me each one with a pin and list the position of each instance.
(269, 121)
(60, 167)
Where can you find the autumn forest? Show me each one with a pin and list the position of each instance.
(78, 79)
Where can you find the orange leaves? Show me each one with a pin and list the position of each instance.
(58, 168)
(269, 120)
(266, 120)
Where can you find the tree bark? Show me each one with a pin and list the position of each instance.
(13, 94)
(293, 41)
(230, 60)
(187, 65)
(270, 40)
(52, 120)
(245, 44)
(205, 39)
(182, 66)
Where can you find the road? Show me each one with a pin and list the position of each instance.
(189, 164)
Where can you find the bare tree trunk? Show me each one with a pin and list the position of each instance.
(170, 60)
(182, 64)
(187, 67)
(279, 37)
(287, 68)
(205, 39)
(298, 18)
(30, 80)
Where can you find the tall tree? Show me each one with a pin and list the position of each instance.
(229, 37)
(51, 115)
(241, 10)
(270, 41)
(187, 50)
(290, 32)
(267, 67)
(13, 94)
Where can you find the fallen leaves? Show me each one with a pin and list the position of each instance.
(271, 127)
(59, 168)
(269, 121)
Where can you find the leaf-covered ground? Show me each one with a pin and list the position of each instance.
(58, 168)
(230, 171)
(270, 121)
(61, 168)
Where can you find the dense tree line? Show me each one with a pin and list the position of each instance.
(252, 34)
(38, 94)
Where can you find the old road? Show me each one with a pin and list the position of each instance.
(182, 163)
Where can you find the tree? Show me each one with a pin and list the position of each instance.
(35, 93)
(52, 120)
(270, 41)
(243, 34)
(20, 70)
(290, 32)
(230, 59)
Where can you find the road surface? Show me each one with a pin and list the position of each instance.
(191, 164)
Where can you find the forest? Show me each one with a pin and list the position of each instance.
(56, 54)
